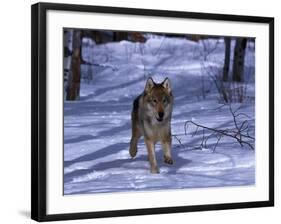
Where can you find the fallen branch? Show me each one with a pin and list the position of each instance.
(240, 132)
(176, 137)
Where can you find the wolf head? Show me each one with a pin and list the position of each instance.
(158, 99)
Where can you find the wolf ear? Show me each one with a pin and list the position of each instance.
(149, 85)
(167, 84)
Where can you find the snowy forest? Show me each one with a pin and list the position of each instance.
(213, 119)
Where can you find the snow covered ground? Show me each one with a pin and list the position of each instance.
(97, 127)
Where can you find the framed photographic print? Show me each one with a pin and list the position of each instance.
(139, 111)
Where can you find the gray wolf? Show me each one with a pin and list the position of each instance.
(151, 118)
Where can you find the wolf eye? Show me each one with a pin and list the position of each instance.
(165, 100)
(154, 101)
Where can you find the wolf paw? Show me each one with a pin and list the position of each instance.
(168, 160)
(133, 152)
(154, 170)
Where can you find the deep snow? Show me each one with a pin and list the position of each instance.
(97, 127)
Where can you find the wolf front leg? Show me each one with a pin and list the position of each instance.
(151, 156)
(167, 151)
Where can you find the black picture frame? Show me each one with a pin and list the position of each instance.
(39, 122)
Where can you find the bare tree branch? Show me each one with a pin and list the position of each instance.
(178, 139)
(240, 132)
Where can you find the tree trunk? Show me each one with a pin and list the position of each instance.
(227, 41)
(239, 57)
(67, 43)
(73, 88)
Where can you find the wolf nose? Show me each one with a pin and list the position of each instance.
(161, 115)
